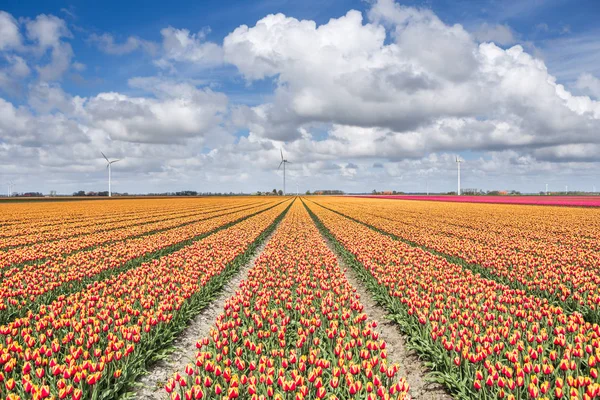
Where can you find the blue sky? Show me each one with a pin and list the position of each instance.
(191, 100)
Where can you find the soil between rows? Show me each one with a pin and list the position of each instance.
(152, 385)
(411, 366)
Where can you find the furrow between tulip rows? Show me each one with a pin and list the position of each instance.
(295, 329)
(33, 286)
(72, 231)
(41, 252)
(573, 283)
(183, 350)
(483, 339)
(92, 344)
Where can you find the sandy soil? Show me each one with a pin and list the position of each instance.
(410, 366)
(151, 386)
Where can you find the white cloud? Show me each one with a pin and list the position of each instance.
(13, 74)
(178, 111)
(10, 37)
(45, 98)
(182, 46)
(18, 126)
(360, 103)
(106, 43)
(433, 88)
(47, 31)
(500, 34)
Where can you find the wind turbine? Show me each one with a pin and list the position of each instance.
(283, 161)
(108, 166)
(11, 184)
(458, 161)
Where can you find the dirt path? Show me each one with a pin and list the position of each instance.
(151, 386)
(410, 366)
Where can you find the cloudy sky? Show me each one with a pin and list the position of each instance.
(360, 95)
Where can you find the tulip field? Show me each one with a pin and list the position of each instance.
(497, 301)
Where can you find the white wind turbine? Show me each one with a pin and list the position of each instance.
(11, 185)
(108, 166)
(283, 161)
(458, 161)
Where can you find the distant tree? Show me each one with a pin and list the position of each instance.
(374, 191)
(79, 193)
(275, 192)
(280, 192)
(307, 192)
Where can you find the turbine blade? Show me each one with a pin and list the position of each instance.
(114, 161)
(280, 165)
(281, 154)
(104, 157)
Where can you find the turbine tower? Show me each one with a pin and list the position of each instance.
(11, 184)
(458, 161)
(283, 161)
(108, 166)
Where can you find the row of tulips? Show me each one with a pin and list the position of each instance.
(295, 329)
(484, 339)
(70, 230)
(94, 343)
(39, 252)
(31, 216)
(29, 287)
(535, 253)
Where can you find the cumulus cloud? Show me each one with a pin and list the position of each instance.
(432, 88)
(10, 37)
(180, 45)
(47, 32)
(13, 73)
(178, 111)
(386, 98)
(18, 126)
(42, 47)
